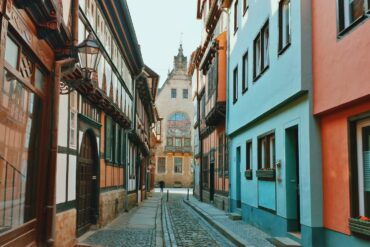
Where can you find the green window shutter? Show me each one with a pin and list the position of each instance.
(108, 139)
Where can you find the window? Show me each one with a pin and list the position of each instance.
(178, 164)
(73, 119)
(245, 6)
(203, 107)
(266, 152)
(109, 139)
(261, 54)
(212, 77)
(205, 172)
(185, 93)
(169, 141)
(178, 142)
(236, 16)
(178, 125)
(284, 24)
(221, 155)
(187, 142)
(350, 11)
(11, 52)
(248, 158)
(173, 93)
(161, 165)
(245, 73)
(360, 168)
(235, 85)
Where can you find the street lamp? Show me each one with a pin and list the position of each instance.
(89, 55)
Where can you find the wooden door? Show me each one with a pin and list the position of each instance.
(85, 188)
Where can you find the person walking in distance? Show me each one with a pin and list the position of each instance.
(161, 185)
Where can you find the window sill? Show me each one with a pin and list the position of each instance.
(282, 50)
(260, 74)
(235, 31)
(359, 226)
(267, 174)
(345, 31)
(245, 10)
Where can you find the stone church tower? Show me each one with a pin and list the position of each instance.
(175, 106)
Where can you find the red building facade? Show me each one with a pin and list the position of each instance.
(341, 83)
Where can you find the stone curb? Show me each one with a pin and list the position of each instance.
(227, 233)
(169, 237)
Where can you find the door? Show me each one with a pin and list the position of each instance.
(85, 185)
(292, 179)
(212, 181)
(238, 179)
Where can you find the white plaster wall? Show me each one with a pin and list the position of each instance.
(61, 178)
(72, 170)
(63, 121)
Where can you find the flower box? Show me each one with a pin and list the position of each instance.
(248, 174)
(266, 174)
(359, 226)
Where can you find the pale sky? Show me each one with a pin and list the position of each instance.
(159, 24)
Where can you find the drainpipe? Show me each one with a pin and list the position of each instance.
(200, 154)
(227, 104)
(51, 193)
(133, 124)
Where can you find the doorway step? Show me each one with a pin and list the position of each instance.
(284, 242)
(235, 216)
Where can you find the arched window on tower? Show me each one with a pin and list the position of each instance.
(178, 131)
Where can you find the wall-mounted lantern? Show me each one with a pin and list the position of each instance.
(89, 55)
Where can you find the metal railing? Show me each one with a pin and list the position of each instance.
(11, 194)
(182, 149)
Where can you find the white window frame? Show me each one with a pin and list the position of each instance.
(360, 165)
(174, 165)
(165, 164)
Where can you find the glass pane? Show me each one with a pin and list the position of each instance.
(178, 142)
(366, 168)
(265, 46)
(258, 56)
(356, 9)
(19, 135)
(11, 52)
(39, 79)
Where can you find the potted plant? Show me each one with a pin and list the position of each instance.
(360, 225)
(266, 173)
(248, 174)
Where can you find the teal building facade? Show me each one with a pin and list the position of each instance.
(274, 148)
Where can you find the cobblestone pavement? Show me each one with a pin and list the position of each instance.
(138, 228)
(250, 235)
(189, 229)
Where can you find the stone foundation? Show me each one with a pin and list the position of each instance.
(221, 202)
(65, 234)
(206, 196)
(132, 201)
(111, 204)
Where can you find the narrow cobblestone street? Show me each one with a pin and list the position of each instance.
(157, 222)
(189, 229)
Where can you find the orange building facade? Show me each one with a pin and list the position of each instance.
(209, 71)
(341, 83)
